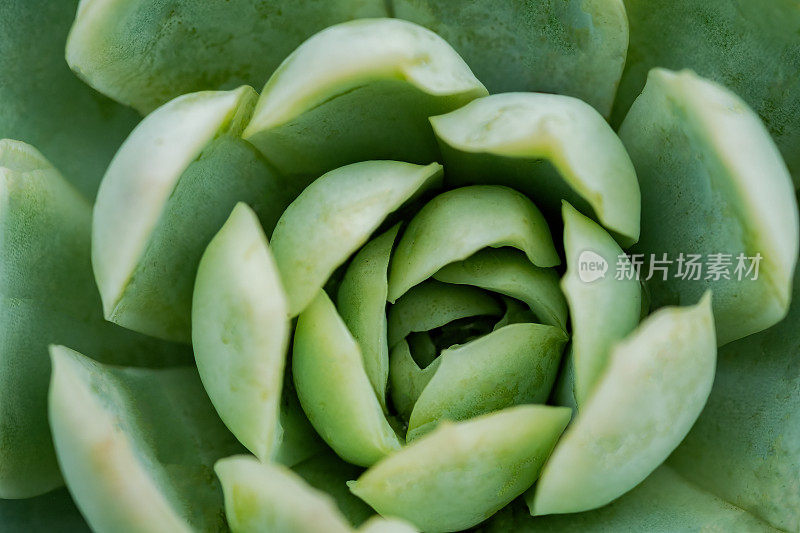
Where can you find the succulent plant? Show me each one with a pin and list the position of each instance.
(410, 269)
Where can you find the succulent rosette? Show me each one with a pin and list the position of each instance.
(409, 268)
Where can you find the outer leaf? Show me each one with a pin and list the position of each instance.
(750, 47)
(54, 512)
(334, 389)
(168, 190)
(262, 497)
(576, 47)
(663, 503)
(713, 182)
(144, 53)
(656, 384)
(136, 446)
(511, 273)
(603, 310)
(745, 447)
(334, 216)
(460, 474)
(362, 304)
(44, 104)
(407, 379)
(513, 365)
(458, 223)
(47, 295)
(551, 147)
(359, 91)
(240, 331)
(432, 304)
(379, 524)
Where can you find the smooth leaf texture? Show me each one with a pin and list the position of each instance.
(144, 53)
(54, 512)
(165, 195)
(575, 48)
(359, 91)
(334, 389)
(362, 304)
(604, 310)
(458, 223)
(137, 446)
(407, 379)
(432, 304)
(745, 447)
(656, 383)
(240, 331)
(462, 473)
(713, 182)
(509, 272)
(44, 104)
(334, 216)
(749, 47)
(47, 295)
(550, 147)
(514, 365)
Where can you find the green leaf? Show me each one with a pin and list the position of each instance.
(603, 310)
(713, 182)
(167, 192)
(656, 383)
(514, 365)
(749, 47)
(359, 91)
(145, 53)
(406, 379)
(745, 447)
(462, 473)
(334, 216)
(54, 512)
(458, 223)
(137, 446)
(362, 304)
(44, 104)
(550, 147)
(240, 331)
(572, 47)
(509, 272)
(334, 389)
(266, 498)
(47, 295)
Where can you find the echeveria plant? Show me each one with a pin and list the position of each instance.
(426, 273)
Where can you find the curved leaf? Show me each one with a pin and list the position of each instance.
(713, 182)
(359, 91)
(656, 383)
(54, 512)
(406, 379)
(458, 223)
(551, 147)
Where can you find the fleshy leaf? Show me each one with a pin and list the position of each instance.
(44, 104)
(334, 216)
(266, 498)
(379, 524)
(662, 503)
(652, 391)
(749, 47)
(136, 447)
(334, 389)
(359, 91)
(513, 365)
(362, 304)
(462, 473)
(575, 47)
(167, 192)
(47, 295)
(458, 223)
(603, 310)
(550, 147)
(54, 512)
(745, 447)
(713, 184)
(144, 54)
(407, 379)
(432, 304)
(240, 331)
(510, 273)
